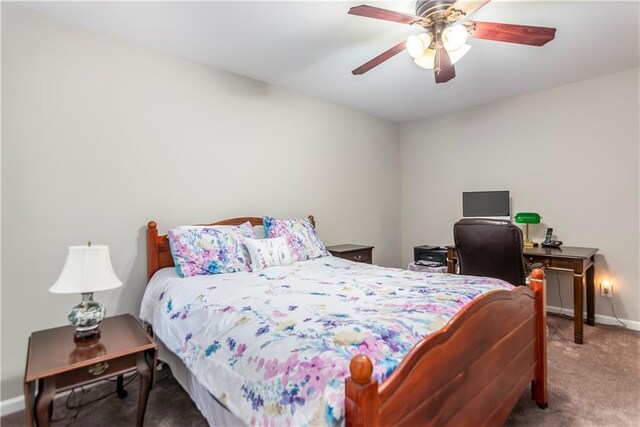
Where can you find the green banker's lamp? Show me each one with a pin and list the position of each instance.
(527, 218)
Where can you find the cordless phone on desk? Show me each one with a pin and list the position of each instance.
(548, 243)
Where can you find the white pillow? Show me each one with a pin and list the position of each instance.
(258, 230)
(267, 253)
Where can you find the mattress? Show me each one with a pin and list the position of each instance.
(274, 346)
(212, 410)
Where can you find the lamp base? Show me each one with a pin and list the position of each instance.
(528, 243)
(86, 317)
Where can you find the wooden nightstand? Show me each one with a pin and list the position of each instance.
(357, 253)
(56, 362)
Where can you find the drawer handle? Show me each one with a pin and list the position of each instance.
(98, 368)
(357, 257)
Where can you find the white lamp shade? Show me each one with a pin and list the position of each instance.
(87, 269)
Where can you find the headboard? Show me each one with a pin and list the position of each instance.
(159, 252)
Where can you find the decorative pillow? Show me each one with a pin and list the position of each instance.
(267, 253)
(301, 237)
(210, 250)
(258, 230)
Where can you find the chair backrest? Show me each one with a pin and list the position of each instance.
(491, 248)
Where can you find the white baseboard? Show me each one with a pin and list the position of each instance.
(12, 405)
(600, 318)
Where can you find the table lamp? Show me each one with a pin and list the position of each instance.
(87, 270)
(527, 218)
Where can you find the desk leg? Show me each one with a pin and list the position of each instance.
(578, 317)
(451, 261)
(145, 372)
(591, 317)
(29, 391)
(44, 401)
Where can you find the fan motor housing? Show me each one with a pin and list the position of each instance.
(432, 9)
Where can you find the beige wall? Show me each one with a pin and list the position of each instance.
(569, 153)
(99, 136)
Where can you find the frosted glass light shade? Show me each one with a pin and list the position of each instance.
(454, 37)
(87, 269)
(428, 59)
(417, 44)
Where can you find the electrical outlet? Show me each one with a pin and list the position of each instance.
(606, 290)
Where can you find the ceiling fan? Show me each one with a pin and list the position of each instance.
(444, 41)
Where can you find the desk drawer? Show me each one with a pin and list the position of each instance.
(359, 256)
(546, 261)
(566, 263)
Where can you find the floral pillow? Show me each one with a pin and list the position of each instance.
(301, 237)
(210, 250)
(267, 253)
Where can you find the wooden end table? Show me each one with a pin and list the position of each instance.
(56, 362)
(358, 253)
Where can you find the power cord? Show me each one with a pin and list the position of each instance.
(556, 329)
(613, 310)
(560, 313)
(75, 391)
(566, 316)
(163, 379)
(82, 404)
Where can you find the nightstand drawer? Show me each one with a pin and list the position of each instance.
(96, 372)
(357, 253)
(359, 256)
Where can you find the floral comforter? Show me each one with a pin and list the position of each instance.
(274, 347)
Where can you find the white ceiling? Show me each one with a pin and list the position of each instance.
(312, 47)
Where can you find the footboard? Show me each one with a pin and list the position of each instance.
(471, 372)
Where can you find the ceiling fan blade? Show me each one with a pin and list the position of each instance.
(521, 34)
(384, 14)
(379, 59)
(463, 9)
(443, 68)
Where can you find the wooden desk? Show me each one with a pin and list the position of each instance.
(579, 261)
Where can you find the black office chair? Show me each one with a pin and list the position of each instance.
(490, 248)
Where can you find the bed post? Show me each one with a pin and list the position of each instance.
(362, 404)
(539, 384)
(152, 249)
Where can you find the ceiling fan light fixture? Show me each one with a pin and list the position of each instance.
(454, 37)
(417, 44)
(428, 59)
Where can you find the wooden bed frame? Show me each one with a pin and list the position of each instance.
(471, 372)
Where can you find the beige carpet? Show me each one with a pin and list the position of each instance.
(596, 384)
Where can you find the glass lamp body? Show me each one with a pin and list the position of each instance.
(86, 317)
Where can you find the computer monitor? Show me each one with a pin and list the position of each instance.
(486, 204)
